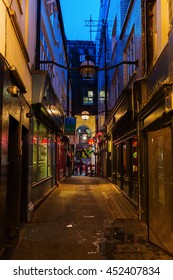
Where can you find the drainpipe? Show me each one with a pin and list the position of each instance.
(68, 88)
(139, 168)
(105, 65)
(37, 58)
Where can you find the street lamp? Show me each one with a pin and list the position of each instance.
(85, 115)
(87, 68)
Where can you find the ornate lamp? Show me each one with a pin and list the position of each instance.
(85, 115)
(87, 69)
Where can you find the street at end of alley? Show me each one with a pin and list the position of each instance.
(86, 218)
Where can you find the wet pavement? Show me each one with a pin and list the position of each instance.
(86, 218)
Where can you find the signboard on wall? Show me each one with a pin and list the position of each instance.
(69, 126)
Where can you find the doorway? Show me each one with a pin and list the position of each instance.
(17, 179)
(24, 177)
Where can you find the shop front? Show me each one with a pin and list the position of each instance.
(123, 129)
(47, 126)
(126, 166)
(157, 128)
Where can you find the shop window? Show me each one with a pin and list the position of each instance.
(118, 148)
(42, 154)
(134, 159)
(35, 155)
(124, 159)
(49, 155)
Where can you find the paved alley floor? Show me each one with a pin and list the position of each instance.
(86, 218)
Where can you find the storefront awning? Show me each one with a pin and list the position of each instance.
(40, 112)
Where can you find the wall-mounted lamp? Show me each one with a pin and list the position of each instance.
(29, 115)
(85, 115)
(14, 91)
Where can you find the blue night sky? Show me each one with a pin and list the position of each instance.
(74, 13)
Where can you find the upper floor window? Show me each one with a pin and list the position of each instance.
(82, 57)
(160, 25)
(51, 10)
(91, 51)
(45, 55)
(81, 50)
(114, 90)
(102, 96)
(114, 41)
(88, 97)
(130, 55)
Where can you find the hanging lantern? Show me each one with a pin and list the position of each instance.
(85, 115)
(91, 141)
(87, 69)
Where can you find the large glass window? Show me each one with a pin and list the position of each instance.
(124, 159)
(42, 152)
(35, 155)
(49, 154)
(118, 148)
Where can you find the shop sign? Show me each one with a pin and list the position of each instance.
(69, 126)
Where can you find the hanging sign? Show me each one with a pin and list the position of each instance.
(69, 126)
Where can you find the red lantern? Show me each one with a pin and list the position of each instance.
(90, 141)
(99, 134)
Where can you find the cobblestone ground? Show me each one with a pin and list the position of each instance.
(86, 218)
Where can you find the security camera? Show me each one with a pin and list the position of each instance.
(13, 90)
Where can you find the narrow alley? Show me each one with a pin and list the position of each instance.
(86, 218)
